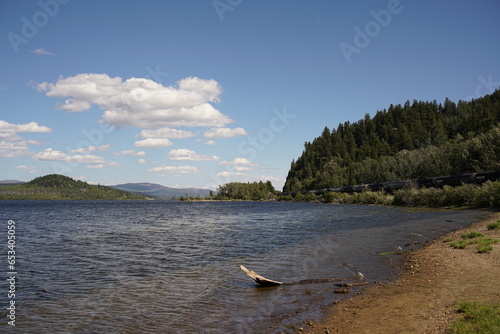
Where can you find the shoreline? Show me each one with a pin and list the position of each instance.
(424, 298)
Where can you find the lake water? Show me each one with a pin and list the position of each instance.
(173, 267)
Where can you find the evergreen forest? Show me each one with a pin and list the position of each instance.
(417, 139)
(254, 191)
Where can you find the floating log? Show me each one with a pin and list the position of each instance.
(262, 281)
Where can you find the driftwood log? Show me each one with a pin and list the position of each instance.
(262, 281)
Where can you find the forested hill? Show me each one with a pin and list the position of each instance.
(60, 187)
(417, 139)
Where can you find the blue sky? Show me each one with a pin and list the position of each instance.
(201, 93)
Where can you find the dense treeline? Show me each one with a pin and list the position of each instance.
(255, 191)
(60, 187)
(419, 139)
(486, 195)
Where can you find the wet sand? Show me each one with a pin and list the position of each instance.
(425, 297)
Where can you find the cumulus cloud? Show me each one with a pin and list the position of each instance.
(153, 143)
(14, 149)
(238, 162)
(131, 153)
(188, 155)
(9, 131)
(54, 155)
(13, 154)
(243, 169)
(225, 132)
(17, 145)
(166, 133)
(140, 102)
(229, 175)
(175, 169)
(90, 149)
(247, 177)
(98, 166)
(29, 169)
(210, 142)
(72, 105)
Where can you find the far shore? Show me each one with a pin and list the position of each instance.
(425, 297)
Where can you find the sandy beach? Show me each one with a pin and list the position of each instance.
(425, 297)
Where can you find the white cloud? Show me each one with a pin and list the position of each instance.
(50, 155)
(98, 166)
(43, 52)
(166, 133)
(188, 155)
(90, 149)
(229, 175)
(225, 132)
(242, 177)
(17, 145)
(9, 131)
(140, 102)
(153, 143)
(13, 154)
(210, 142)
(131, 153)
(142, 161)
(15, 149)
(238, 162)
(54, 155)
(113, 164)
(243, 169)
(175, 169)
(72, 105)
(29, 169)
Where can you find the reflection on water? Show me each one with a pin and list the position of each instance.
(173, 267)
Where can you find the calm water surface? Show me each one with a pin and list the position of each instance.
(173, 267)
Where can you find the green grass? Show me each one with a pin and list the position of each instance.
(472, 235)
(494, 226)
(483, 243)
(478, 318)
(460, 244)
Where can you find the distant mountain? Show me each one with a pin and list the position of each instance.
(10, 182)
(157, 190)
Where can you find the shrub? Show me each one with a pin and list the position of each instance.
(472, 235)
(494, 226)
(484, 245)
(460, 244)
(487, 195)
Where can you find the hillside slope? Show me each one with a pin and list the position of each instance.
(60, 187)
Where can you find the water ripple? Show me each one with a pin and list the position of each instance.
(156, 267)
